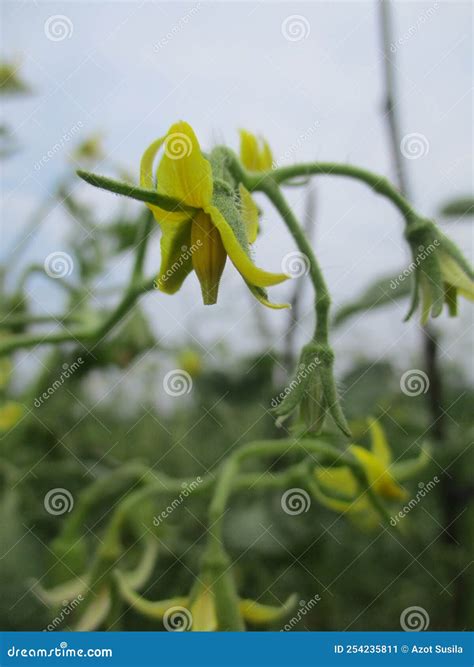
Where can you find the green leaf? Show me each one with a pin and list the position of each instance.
(382, 292)
(459, 207)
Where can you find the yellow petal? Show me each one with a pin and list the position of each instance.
(379, 445)
(253, 156)
(147, 181)
(203, 612)
(455, 276)
(340, 480)
(382, 481)
(146, 607)
(244, 265)
(176, 255)
(332, 503)
(264, 614)
(183, 172)
(208, 257)
(260, 294)
(426, 299)
(249, 213)
(249, 154)
(266, 157)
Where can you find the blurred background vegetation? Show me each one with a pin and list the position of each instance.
(108, 413)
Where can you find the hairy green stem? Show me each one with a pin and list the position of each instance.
(322, 298)
(324, 453)
(134, 192)
(379, 184)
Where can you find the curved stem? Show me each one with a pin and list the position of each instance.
(322, 298)
(14, 321)
(325, 453)
(379, 184)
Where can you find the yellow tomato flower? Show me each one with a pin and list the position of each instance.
(93, 609)
(255, 154)
(215, 228)
(197, 611)
(190, 361)
(456, 283)
(339, 490)
(10, 414)
(441, 271)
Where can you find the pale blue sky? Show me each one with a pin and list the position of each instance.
(130, 69)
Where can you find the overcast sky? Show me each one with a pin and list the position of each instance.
(308, 76)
